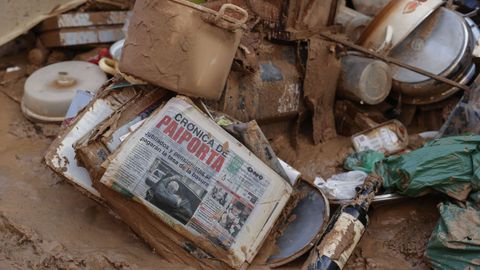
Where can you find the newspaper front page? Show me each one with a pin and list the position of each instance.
(191, 172)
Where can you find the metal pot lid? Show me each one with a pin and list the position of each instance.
(50, 90)
(437, 45)
(310, 217)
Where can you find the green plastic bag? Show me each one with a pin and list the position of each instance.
(363, 161)
(455, 241)
(449, 165)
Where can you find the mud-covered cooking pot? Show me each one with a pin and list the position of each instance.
(442, 45)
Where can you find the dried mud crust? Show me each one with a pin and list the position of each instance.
(23, 248)
(322, 160)
(397, 236)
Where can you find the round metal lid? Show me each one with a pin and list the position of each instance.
(310, 219)
(437, 45)
(50, 90)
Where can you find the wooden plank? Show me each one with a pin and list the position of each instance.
(81, 19)
(82, 36)
(322, 73)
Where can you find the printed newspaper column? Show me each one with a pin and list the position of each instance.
(201, 181)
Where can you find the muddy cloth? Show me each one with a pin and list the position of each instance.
(449, 165)
(455, 241)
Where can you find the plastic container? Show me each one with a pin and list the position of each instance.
(389, 138)
(364, 79)
(353, 22)
(182, 46)
(49, 91)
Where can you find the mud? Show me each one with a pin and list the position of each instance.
(46, 223)
(397, 236)
(312, 160)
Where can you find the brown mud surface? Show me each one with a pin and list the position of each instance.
(45, 223)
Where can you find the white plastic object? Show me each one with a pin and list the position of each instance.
(116, 49)
(50, 90)
(341, 186)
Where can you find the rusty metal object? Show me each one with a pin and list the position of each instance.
(270, 93)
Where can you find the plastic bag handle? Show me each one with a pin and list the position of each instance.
(238, 23)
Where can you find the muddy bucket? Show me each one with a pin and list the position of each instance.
(181, 46)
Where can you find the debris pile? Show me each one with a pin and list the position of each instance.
(209, 127)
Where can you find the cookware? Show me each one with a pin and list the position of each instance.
(395, 22)
(442, 45)
(300, 233)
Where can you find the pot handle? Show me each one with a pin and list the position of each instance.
(388, 39)
(238, 23)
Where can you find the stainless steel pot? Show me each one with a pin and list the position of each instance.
(442, 44)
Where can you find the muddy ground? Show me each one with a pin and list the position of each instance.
(45, 223)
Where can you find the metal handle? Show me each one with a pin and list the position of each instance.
(388, 39)
(238, 22)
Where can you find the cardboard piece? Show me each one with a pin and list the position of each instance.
(61, 156)
(19, 16)
(197, 163)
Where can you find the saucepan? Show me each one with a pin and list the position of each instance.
(395, 22)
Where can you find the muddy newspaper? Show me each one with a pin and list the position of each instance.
(190, 172)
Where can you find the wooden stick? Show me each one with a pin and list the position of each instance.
(393, 61)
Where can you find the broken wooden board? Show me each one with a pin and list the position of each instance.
(82, 36)
(308, 14)
(296, 16)
(19, 16)
(83, 19)
(320, 84)
(60, 156)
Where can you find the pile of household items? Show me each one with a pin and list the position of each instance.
(182, 141)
